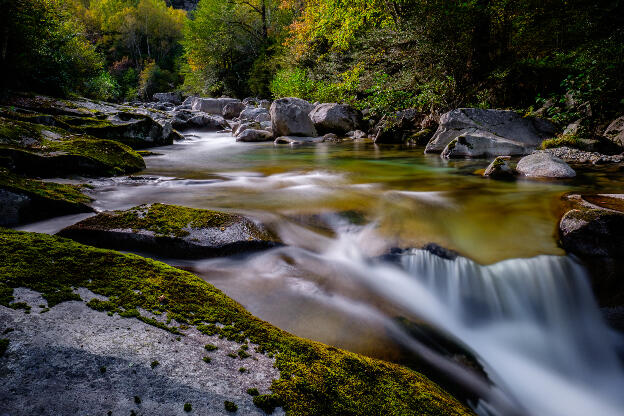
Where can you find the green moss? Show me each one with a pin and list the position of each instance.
(162, 220)
(4, 345)
(565, 140)
(137, 399)
(48, 190)
(210, 347)
(314, 379)
(230, 406)
(187, 407)
(452, 144)
(154, 364)
(253, 392)
(267, 402)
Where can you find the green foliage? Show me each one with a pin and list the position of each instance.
(153, 79)
(567, 140)
(44, 48)
(292, 82)
(103, 87)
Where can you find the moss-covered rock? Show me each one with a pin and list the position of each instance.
(25, 200)
(173, 231)
(314, 379)
(52, 151)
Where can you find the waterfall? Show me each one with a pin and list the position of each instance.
(533, 323)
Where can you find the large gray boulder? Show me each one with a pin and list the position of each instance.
(168, 97)
(615, 132)
(290, 117)
(212, 105)
(544, 165)
(232, 110)
(335, 118)
(188, 120)
(593, 232)
(503, 132)
(253, 135)
(252, 113)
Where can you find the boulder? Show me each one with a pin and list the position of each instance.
(245, 126)
(48, 151)
(251, 113)
(357, 134)
(544, 165)
(206, 122)
(499, 169)
(233, 110)
(263, 117)
(569, 154)
(168, 97)
(25, 200)
(252, 135)
(266, 104)
(505, 132)
(172, 231)
(290, 117)
(615, 132)
(593, 232)
(212, 105)
(335, 118)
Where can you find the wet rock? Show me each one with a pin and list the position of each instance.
(232, 110)
(239, 129)
(290, 117)
(488, 132)
(206, 122)
(51, 152)
(335, 118)
(615, 132)
(168, 97)
(357, 134)
(25, 200)
(499, 169)
(440, 251)
(544, 165)
(593, 228)
(172, 231)
(252, 135)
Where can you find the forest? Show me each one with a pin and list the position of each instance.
(383, 55)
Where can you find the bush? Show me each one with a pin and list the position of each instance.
(103, 87)
(153, 79)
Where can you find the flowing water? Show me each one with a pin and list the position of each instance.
(513, 301)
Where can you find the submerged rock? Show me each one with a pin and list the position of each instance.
(51, 151)
(488, 133)
(544, 165)
(335, 118)
(172, 231)
(290, 117)
(25, 200)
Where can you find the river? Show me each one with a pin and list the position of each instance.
(512, 299)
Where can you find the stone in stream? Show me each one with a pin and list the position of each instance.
(294, 140)
(252, 135)
(172, 231)
(290, 117)
(499, 168)
(48, 151)
(544, 165)
(232, 110)
(335, 118)
(24, 200)
(212, 105)
(473, 132)
(593, 230)
(252, 113)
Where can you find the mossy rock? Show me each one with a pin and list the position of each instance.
(173, 231)
(25, 200)
(51, 151)
(315, 379)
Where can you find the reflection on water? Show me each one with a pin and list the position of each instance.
(532, 323)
